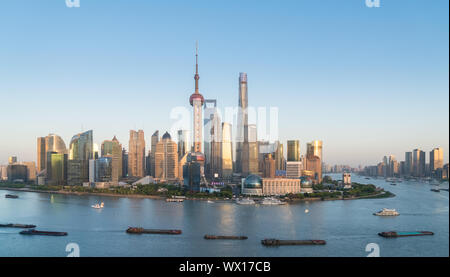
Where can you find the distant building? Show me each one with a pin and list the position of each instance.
(31, 170)
(12, 160)
(269, 166)
(166, 159)
(280, 161)
(255, 185)
(193, 171)
(136, 154)
(80, 152)
(346, 178)
(418, 163)
(17, 172)
(226, 158)
(113, 149)
(293, 150)
(51, 143)
(436, 159)
(294, 169)
(155, 140)
(100, 170)
(56, 168)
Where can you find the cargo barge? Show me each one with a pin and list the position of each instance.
(11, 196)
(225, 237)
(139, 230)
(393, 234)
(23, 226)
(42, 233)
(276, 242)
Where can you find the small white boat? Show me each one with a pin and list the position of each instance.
(209, 201)
(245, 201)
(272, 201)
(306, 211)
(98, 206)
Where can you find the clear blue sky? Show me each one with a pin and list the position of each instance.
(367, 81)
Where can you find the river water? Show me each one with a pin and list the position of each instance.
(347, 226)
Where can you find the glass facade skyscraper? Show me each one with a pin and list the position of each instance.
(80, 152)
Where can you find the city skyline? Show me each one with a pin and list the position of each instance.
(392, 99)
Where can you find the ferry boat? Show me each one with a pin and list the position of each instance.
(245, 201)
(387, 212)
(174, 199)
(98, 206)
(272, 201)
(209, 201)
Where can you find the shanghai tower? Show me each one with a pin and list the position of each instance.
(242, 150)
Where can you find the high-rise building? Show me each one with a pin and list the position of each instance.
(250, 163)
(418, 163)
(314, 165)
(17, 172)
(227, 151)
(124, 163)
(31, 170)
(293, 150)
(184, 143)
(269, 166)
(196, 100)
(80, 152)
(212, 137)
(315, 148)
(12, 160)
(56, 168)
(155, 139)
(166, 159)
(242, 148)
(51, 143)
(101, 169)
(408, 163)
(41, 154)
(294, 169)
(136, 154)
(113, 149)
(436, 158)
(280, 161)
(193, 171)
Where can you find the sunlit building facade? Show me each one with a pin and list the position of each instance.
(227, 151)
(136, 154)
(166, 159)
(113, 149)
(80, 152)
(293, 150)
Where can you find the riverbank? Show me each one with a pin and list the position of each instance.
(159, 197)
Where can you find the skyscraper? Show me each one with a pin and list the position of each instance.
(418, 163)
(250, 163)
(196, 100)
(315, 148)
(242, 148)
(293, 150)
(408, 163)
(227, 151)
(50, 143)
(155, 139)
(136, 154)
(41, 154)
(436, 158)
(80, 152)
(280, 162)
(113, 149)
(184, 143)
(166, 159)
(212, 136)
(56, 168)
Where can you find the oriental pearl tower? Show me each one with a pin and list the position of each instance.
(196, 100)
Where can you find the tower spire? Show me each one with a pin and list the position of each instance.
(196, 77)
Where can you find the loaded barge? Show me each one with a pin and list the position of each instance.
(139, 230)
(42, 233)
(393, 234)
(225, 237)
(23, 226)
(276, 242)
